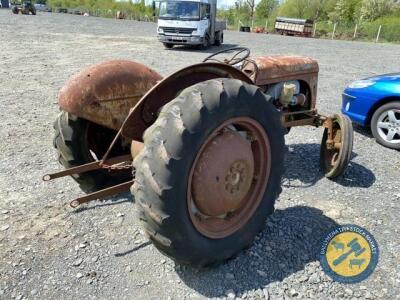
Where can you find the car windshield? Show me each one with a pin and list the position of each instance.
(179, 10)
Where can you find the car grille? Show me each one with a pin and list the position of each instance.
(176, 30)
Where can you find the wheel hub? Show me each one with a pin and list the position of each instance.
(223, 175)
(389, 126)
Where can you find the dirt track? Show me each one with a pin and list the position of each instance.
(50, 251)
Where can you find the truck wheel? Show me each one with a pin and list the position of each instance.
(334, 161)
(206, 43)
(33, 12)
(385, 125)
(210, 171)
(168, 45)
(78, 142)
(220, 39)
(15, 10)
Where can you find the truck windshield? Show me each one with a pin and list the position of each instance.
(179, 10)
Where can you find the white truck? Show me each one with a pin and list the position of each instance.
(189, 22)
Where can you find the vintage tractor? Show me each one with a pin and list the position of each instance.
(25, 7)
(207, 144)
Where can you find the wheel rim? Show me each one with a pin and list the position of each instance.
(332, 155)
(240, 174)
(388, 126)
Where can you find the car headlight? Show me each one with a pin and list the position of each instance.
(359, 84)
(160, 30)
(195, 32)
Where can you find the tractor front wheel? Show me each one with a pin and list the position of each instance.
(335, 155)
(210, 171)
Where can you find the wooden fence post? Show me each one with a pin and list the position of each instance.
(355, 32)
(240, 23)
(315, 29)
(379, 32)
(333, 32)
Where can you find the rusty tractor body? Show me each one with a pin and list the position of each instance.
(207, 144)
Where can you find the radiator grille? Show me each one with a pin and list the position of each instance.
(176, 30)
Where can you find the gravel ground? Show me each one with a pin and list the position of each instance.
(50, 251)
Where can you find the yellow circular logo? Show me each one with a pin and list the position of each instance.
(349, 254)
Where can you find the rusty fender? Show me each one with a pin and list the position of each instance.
(104, 93)
(146, 110)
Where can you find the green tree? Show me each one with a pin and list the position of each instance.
(347, 11)
(373, 9)
(304, 9)
(265, 8)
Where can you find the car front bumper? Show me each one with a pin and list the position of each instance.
(180, 40)
(356, 107)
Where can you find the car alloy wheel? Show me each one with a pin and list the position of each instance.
(388, 126)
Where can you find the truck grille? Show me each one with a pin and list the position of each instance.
(176, 30)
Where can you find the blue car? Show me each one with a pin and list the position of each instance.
(375, 102)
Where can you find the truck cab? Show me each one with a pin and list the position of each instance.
(183, 22)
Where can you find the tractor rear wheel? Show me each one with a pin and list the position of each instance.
(210, 171)
(79, 142)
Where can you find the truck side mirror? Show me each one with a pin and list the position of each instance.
(153, 6)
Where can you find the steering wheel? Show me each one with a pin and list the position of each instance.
(241, 54)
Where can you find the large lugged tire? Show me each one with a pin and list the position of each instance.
(78, 142)
(196, 136)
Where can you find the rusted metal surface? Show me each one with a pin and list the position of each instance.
(104, 93)
(328, 124)
(116, 189)
(312, 121)
(258, 29)
(281, 68)
(333, 142)
(216, 227)
(112, 163)
(301, 118)
(222, 178)
(146, 110)
(278, 68)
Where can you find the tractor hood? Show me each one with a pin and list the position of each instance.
(270, 69)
